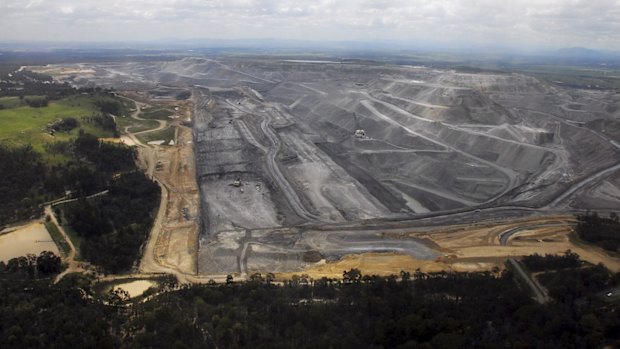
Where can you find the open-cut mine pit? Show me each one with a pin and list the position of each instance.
(302, 162)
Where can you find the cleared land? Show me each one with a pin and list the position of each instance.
(300, 163)
(30, 239)
(173, 243)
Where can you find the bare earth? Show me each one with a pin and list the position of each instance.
(453, 171)
(470, 248)
(29, 239)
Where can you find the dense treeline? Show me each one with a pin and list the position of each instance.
(569, 285)
(23, 173)
(568, 279)
(27, 181)
(7, 68)
(31, 266)
(440, 310)
(604, 232)
(37, 102)
(36, 314)
(27, 83)
(103, 121)
(65, 124)
(107, 157)
(24, 83)
(444, 310)
(537, 262)
(93, 164)
(114, 226)
(109, 106)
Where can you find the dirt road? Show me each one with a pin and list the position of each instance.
(540, 293)
(272, 166)
(172, 244)
(73, 266)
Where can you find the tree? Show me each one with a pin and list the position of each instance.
(229, 279)
(48, 263)
(352, 276)
(257, 277)
(169, 282)
(405, 276)
(117, 296)
(109, 106)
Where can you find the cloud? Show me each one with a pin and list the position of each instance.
(516, 22)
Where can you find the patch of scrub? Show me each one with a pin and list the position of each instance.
(32, 238)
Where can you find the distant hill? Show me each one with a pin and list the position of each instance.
(584, 54)
(579, 52)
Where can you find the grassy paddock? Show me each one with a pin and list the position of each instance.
(24, 125)
(10, 102)
(166, 134)
(88, 101)
(139, 126)
(156, 113)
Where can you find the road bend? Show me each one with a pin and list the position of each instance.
(272, 166)
(540, 293)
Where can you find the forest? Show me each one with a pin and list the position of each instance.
(537, 262)
(26, 83)
(21, 183)
(34, 313)
(27, 181)
(29, 178)
(603, 232)
(114, 226)
(419, 310)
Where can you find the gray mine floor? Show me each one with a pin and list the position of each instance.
(285, 147)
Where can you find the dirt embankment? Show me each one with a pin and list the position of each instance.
(471, 248)
(173, 244)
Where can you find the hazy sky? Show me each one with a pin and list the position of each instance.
(591, 23)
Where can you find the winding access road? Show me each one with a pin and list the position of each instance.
(272, 166)
(540, 293)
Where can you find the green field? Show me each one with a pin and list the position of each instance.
(25, 125)
(156, 113)
(166, 134)
(87, 101)
(136, 125)
(22, 125)
(139, 126)
(9, 102)
(15, 102)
